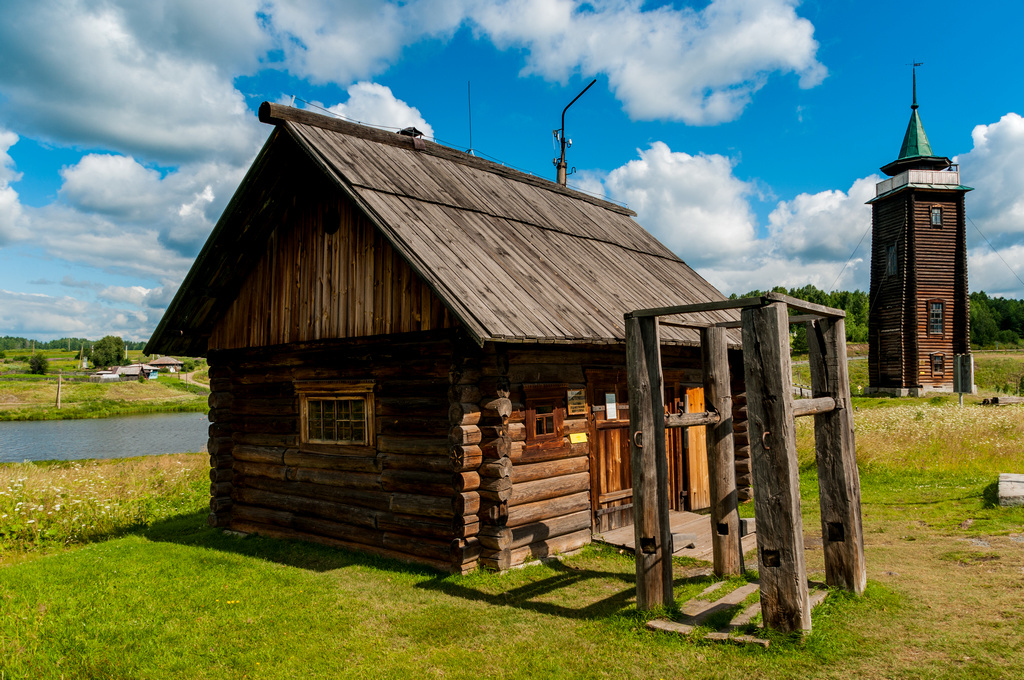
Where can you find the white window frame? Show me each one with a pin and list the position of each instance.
(941, 317)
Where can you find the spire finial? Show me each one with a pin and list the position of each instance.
(914, 71)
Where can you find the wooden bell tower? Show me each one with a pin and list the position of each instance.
(919, 317)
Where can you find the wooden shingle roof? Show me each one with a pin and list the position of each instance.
(514, 257)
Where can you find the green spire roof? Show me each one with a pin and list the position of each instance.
(915, 142)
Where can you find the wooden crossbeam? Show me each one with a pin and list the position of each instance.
(811, 407)
(692, 419)
(742, 303)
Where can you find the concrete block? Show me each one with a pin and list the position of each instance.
(1011, 489)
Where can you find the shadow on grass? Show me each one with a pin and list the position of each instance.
(191, 530)
(991, 495)
(546, 595)
(542, 595)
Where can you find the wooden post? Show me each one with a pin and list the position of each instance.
(725, 519)
(648, 464)
(838, 480)
(780, 538)
(60, 374)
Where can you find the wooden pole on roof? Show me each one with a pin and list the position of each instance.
(780, 537)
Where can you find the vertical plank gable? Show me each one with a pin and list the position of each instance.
(312, 284)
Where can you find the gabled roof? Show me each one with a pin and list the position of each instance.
(166, 361)
(514, 257)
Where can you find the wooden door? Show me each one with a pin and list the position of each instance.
(698, 491)
(611, 486)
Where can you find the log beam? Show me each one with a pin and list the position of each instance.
(780, 537)
(838, 479)
(725, 519)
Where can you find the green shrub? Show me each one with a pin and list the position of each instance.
(38, 364)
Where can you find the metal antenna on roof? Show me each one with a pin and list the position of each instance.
(560, 137)
(914, 65)
(469, 105)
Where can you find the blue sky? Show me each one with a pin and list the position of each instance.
(746, 134)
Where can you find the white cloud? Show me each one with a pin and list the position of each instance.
(337, 41)
(700, 67)
(825, 226)
(995, 167)
(999, 273)
(139, 296)
(118, 195)
(117, 186)
(12, 225)
(695, 205)
(95, 74)
(46, 317)
(374, 104)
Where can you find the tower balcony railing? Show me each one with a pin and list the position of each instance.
(950, 177)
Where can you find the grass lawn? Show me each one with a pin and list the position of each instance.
(154, 593)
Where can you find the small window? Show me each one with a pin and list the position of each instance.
(337, 413)
(936, 313)
(936, 216)
(544, 420)
(545, 412)
(336, 420)
(890, 263)
(938, 365)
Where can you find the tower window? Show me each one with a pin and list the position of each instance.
(938, 365)
(936, 216)
(890, 261)
(936, 314)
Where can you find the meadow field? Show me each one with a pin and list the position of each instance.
(108, 570)
(24, 396)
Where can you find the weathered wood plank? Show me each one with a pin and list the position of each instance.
(838, 477)
(726, 549)
(649, 466)
(780, 540)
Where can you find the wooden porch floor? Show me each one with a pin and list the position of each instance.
(682, 523)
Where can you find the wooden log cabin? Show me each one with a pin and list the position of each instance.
(418, 353)
(919, 317)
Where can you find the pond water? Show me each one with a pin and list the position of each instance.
(121, 437)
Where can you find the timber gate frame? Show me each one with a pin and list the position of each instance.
(771, 410)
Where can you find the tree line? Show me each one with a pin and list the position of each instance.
(994, 320)
(8, 342)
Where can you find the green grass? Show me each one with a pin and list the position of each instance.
(156, 593)
(999, 371)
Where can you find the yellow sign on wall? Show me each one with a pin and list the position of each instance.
(578, 437)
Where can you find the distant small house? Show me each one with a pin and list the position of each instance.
(169, 364)
(105, 376)
(133, 371)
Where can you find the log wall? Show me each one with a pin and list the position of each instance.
(451, 479)
(941, 274)
(407, 496)
(931, 265)
(890, 221)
